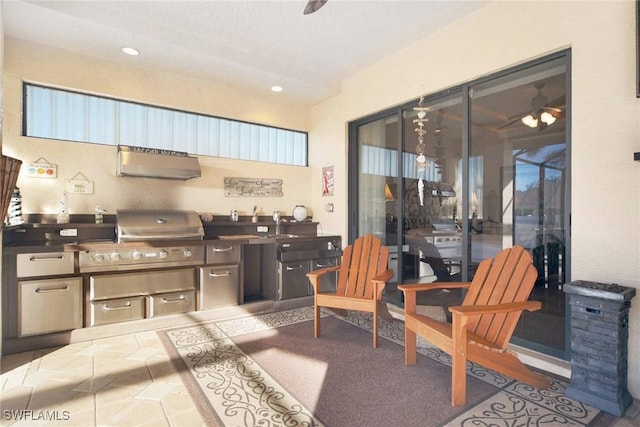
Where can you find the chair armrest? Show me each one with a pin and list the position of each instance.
(322, 271)
(384, 277)
(417, 287)
(477, 310)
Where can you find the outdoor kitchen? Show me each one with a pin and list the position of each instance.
(140, 265)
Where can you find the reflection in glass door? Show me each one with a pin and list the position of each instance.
(432, 197)
(517, 180)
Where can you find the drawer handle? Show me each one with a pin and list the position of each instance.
(225, 274)
(169, 300)
(295, 268)
(126, 305)
(46, 258)
(51, 289)
(318, 265)
(227, 249)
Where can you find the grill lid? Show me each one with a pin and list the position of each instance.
(136, 225)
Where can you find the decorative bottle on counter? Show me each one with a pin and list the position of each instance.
(299, 213)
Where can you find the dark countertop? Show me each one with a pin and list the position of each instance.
(99, 245)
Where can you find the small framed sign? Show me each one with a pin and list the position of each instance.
(80, 185)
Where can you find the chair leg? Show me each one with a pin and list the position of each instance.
(459, 361)
(410, 351)
(316, 320)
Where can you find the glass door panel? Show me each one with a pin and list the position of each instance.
(378, 184)
(432, 192)
(517, 169)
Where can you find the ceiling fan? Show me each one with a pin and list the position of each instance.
(542, 114)
(313, 6)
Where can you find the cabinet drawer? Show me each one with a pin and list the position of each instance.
(116, 310)
(44, 264)
(122, 285)
(171, 303)
(46, 306)
(223, 253)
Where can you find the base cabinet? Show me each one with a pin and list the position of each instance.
(50, 305)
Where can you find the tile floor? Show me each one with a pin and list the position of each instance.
(120, 381)
(126, 380)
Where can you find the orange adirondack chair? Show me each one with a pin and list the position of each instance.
(482, 326)
(362, 276)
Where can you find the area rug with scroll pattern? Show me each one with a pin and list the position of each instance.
(269, 370)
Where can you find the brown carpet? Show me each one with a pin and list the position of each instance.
(269, 370)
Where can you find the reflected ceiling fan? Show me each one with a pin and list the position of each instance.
(542, 114)
(313, 6)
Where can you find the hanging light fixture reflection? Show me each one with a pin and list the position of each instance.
(421, 148)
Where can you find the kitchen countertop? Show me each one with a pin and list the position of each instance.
(93, 245)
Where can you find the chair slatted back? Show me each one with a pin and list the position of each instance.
(361, 262)
(509, 277)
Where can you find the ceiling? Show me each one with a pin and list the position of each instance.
(245, 44)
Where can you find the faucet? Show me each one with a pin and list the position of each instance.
(276, 218)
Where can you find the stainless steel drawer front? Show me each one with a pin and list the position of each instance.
(219, 286)
(46, 306)
(44, 264)
(223, 253)
(121, 285)
(117, 310)
(171, 303)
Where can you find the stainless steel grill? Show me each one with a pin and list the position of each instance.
(143, 225)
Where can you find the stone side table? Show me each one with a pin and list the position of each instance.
(599, 351)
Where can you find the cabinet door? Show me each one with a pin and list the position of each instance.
(328, 281)
(46, 306)
(219, 286)
(292, 279)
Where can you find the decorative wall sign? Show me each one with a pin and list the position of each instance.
(327, 181)
(41, 168)
(253, 187)
(79, 184)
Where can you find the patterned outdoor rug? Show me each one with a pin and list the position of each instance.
(268, 370)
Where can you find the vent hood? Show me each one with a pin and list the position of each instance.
(152, 163)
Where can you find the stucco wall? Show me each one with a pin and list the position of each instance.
(605, 118)
(35, 63)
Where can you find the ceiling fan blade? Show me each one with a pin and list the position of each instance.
(313, 6)
(512, 121)
(558, 102)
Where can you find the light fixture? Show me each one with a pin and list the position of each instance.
(530, 120)
(131, 51)
(421, 148)
(277, 88)
(547, 117)
(534, 120)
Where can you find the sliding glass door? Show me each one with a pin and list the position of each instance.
(494, 174)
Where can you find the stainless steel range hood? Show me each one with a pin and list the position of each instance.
(152, 165)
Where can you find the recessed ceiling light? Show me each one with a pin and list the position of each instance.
(131, 51)
(277, 88)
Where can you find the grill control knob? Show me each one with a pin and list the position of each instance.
(115, 256)
(163, 254)
(136, 254)
(98, 257)
(188, 253)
